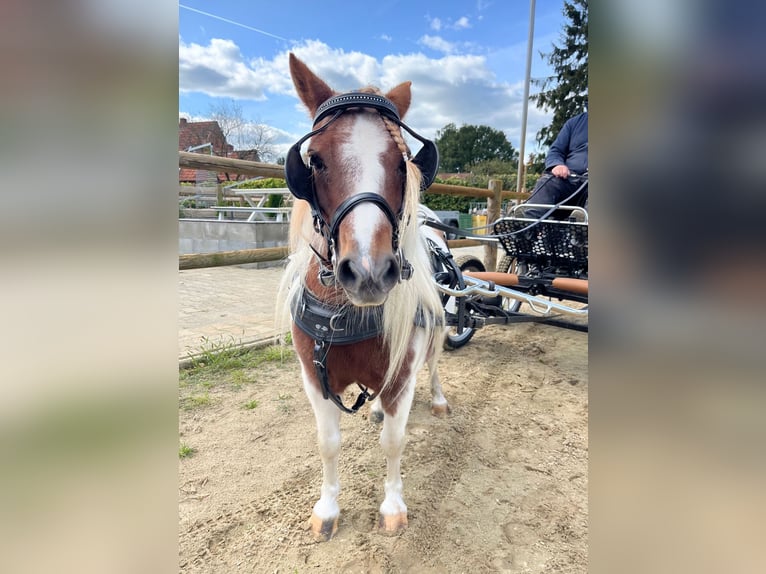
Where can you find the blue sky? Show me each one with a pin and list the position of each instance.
(466, 59)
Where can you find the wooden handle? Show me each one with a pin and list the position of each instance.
(579, 286)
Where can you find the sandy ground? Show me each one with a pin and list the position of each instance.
(498, 486)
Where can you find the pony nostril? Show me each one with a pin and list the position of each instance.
(389, 271)
(347, 275)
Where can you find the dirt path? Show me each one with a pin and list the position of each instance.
(499, 486)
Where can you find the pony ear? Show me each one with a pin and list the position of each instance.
(401, 96)
(311, 89)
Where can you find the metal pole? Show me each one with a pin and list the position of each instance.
(520, 178)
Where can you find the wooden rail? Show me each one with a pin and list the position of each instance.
(240, 257)
(229, 165)
(494, 195)
(462, 191)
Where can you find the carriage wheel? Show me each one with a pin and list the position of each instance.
(455, 340)
(510, 264)
(470, 263)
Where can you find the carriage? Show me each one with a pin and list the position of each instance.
(542, 276)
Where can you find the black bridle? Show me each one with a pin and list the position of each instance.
(300, 178)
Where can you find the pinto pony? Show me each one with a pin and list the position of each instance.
(364, 308)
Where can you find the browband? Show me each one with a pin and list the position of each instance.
(353, 99)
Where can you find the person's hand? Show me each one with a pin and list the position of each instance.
(561, 171)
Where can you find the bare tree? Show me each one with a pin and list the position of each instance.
(252, 139)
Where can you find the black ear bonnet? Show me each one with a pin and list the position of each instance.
(299, 177)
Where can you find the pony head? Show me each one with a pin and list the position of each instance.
(358, 182)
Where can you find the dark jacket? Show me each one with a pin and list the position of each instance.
(570, 147)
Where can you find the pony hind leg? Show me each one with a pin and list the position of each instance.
(393, 510)
(324, 516)
(439, 405)
(376, 411)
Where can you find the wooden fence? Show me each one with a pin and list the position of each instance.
(495, 195)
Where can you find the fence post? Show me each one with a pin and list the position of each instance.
(494, 204)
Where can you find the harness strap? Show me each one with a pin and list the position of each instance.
(333, 324)
(324, 382)
(345, 208)
(330, 325)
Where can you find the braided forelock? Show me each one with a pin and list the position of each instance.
(396, 134)
(393, 129)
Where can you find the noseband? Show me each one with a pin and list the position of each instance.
(300, 178)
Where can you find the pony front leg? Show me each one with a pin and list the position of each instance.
(324, 517)
(393, 511)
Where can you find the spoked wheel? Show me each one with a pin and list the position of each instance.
(455, 339)
(510, 264)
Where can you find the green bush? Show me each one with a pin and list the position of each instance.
(273, 200)
(265, 183)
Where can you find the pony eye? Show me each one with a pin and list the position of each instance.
(316, 162)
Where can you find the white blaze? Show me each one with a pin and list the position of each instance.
(362, 157)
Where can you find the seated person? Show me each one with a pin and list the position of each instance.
(565, 164)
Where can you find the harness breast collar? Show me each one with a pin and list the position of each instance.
(341, 325)
(332, 325)
(335, 325)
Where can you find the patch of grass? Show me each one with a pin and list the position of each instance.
(238, 378)
(195, 401)
(250, 405)
(185, 451)
(274, 354)
(230, 369)
(225, 363)
(217, 356)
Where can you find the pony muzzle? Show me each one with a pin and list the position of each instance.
(368, 280)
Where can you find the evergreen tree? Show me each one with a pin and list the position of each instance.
(461, 149)
(566, 92)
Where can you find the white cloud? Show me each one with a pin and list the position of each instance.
(438, 24)
(461, 24)
(341, 70)
(453, 88)
(460, 89)
(437, 43)
(219, 69)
